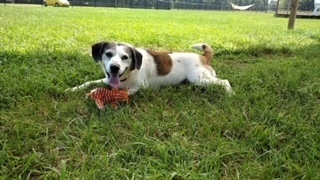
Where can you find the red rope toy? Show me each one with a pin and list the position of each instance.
(101, 96)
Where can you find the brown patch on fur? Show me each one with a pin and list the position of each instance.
(99, 48)
(163, 62)
(204, 60)
(207, 52)
(206, 57)
(135, 55)
(129, 52)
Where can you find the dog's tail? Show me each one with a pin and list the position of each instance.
(206, 49)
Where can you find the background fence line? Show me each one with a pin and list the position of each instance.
(151, 4)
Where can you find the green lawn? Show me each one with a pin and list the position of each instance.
(269, 129)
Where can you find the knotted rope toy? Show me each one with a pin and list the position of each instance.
(114, 97)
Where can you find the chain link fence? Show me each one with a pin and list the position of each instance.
(306, 7)
(149, 4)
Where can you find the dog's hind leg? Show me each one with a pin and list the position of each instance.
(205, 79)
(86, 84)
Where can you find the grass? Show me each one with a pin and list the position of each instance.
(268, 130)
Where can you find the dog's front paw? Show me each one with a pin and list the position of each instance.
(132, 91)
(71, 89)
(230, 91)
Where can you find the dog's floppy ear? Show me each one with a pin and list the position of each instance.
(97, 50)
(136, 59)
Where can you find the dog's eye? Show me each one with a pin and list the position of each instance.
(124, 57)
(109, 54)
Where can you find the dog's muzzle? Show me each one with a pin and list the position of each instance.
(114, 69)
(114, 76)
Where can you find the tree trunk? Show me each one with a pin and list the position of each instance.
(293, 13)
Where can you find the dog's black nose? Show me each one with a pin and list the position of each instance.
(114, 68)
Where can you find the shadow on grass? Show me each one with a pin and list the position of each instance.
(35, 73)
(271, 123)
(305, 52)
(41, 74)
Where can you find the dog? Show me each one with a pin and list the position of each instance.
(126, 66)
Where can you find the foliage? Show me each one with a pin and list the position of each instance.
(268, 130)
(304, 5)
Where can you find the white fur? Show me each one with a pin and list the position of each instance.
(185, 66)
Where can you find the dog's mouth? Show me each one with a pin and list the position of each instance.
(114, 79)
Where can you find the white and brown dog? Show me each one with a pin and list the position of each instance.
(128, 67)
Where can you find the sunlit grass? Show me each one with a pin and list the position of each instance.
(268, 129)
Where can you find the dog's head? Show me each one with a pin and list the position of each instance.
(118, 60)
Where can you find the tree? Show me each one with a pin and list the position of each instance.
(259, 5)
(293, 13)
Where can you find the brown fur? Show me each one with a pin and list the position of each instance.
(206, 57)
(129, 52)
(163, 62)
(204, 60)
(99, 48)
(207, 53)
